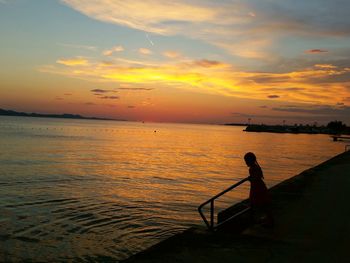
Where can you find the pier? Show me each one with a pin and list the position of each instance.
(312, 215)
(340, 137)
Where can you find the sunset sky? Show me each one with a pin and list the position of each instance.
(178, 61)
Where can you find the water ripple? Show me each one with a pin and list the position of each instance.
(85, 191)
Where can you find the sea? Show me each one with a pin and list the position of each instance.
(93, 190)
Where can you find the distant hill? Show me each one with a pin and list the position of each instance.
(61, 116)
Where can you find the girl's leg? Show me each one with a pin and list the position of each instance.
(268, 220)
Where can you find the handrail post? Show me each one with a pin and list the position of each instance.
(211, 225)
(212, 214)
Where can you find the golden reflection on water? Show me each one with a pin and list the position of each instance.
(85, 189)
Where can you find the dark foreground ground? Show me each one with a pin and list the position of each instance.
(312, 213)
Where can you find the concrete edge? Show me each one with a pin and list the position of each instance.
(300, 181)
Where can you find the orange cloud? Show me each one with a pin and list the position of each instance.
(317, 84)
(325, 66)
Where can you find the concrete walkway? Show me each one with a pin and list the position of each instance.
(312, 213)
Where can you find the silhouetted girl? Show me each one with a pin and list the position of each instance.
(258, 196)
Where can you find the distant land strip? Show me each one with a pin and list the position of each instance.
(332, 128)
(60, 116)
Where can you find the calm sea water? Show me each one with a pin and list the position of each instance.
(84, 190)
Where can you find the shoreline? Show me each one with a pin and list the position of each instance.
(294, 217)
(296, 129)
(69, 116)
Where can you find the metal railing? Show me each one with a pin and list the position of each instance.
(211, 224)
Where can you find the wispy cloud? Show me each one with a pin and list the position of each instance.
(214, 23)
(77, 61)
(171, 54)
(133, 14)
(316, 51)
(205, 63)
(100, 90)
(109, 52)
(136, 89)
(273, 96)
(254, 25)
(102, 93)
(145, 51)
(325, 66)
(93, 48)
(109, 97)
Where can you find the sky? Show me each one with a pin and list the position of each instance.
(194, 61)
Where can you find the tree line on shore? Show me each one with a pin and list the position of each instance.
(333, 127)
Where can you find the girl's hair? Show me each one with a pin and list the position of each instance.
(250, 157)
